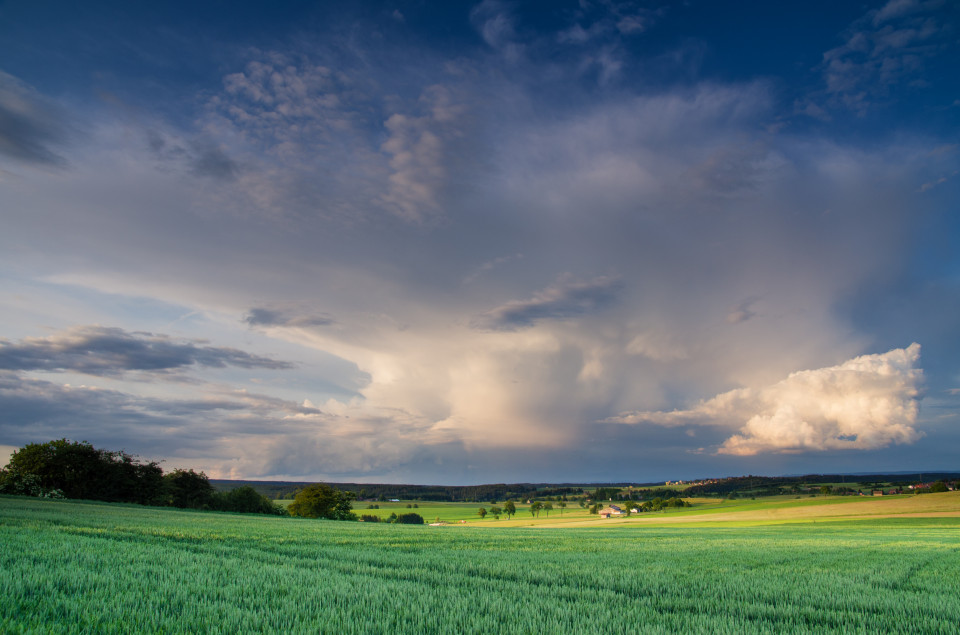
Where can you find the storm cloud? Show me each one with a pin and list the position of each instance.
(462, 246)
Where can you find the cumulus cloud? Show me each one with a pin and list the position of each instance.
(866, 403)
(98, 350)
(29, 127)
(565, 299)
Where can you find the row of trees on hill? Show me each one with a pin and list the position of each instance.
(811, 483)
(77, 470)
(71, 469)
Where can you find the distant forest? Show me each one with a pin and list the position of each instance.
(435, 493)
(736, 486)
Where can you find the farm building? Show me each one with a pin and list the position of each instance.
(612, 510)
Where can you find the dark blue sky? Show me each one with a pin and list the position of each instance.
(483, 241)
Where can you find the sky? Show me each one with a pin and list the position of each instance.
(483, 242)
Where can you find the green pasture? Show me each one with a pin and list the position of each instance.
(78, 567)
(454, 513)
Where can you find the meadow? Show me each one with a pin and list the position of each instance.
(73, 567)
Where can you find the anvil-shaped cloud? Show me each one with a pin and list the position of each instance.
(474, 235)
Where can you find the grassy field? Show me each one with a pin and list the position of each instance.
(75, 567)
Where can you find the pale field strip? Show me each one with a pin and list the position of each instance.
(944, 505)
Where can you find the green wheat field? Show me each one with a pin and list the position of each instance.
(83, 567)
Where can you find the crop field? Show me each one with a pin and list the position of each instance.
(73, 567)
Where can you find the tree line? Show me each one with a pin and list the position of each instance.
(775, 485)
(77, 470)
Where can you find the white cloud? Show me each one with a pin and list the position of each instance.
(865, 403)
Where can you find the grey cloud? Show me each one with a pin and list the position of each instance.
(29, 127)
(271, 317)
(565, 299)
(732, 169)
(744, 311)
(96, 350)
(201, 158)
(213, 162)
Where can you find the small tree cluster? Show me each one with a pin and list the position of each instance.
(322, 501)
(81, 471)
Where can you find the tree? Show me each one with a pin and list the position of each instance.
(246, 500)
(562, 504)
(825, 489)
(547, 507)
(188, 489)
(509, 509)
(322, 501)
(482, 512)
(535, 508)
(939, 486)
(495, 512)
